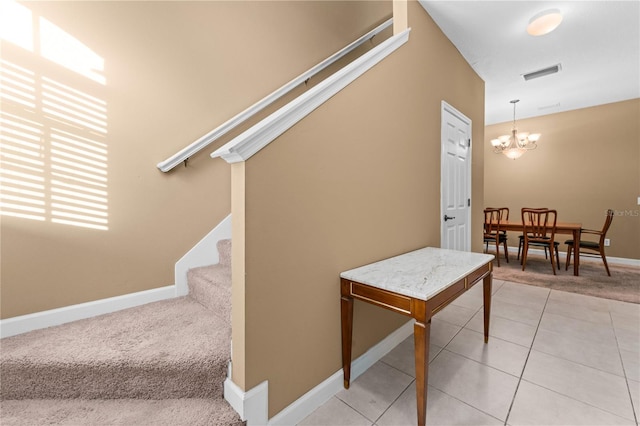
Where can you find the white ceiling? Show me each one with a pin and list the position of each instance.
(597, 45)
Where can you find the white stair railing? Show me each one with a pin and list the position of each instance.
(238, 119)
(252, 140)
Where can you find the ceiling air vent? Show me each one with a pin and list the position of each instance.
(541, 73)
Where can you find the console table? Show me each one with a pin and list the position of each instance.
(417, 284)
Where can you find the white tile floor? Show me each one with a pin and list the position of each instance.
(553, 358)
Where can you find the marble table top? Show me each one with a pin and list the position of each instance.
(421, 273)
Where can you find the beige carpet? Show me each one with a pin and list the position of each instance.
(162, 363)
(121, 412)
(623, 284)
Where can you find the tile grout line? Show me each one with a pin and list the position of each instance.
(429, 362)
(624, 370)
(506, 420)
(444, 348)
(478, 362)
(354, 409)
(375, 422)
(578, 363)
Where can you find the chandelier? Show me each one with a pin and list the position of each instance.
(515, 144)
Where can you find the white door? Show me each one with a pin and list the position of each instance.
(455, 180)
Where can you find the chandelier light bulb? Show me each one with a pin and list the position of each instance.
(514, 154)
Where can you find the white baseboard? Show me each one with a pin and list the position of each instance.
(204, 253)
(252, 410)
(613, 261)
(25, 323)
(252, 406)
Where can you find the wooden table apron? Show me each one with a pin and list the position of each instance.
(561, 228)
(420, 310)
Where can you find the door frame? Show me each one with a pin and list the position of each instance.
(446, 107)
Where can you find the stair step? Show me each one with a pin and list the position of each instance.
(164, 350)
(211, 286)
(162, 363)
(174, 412)
(224, 252)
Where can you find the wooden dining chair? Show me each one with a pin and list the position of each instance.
(493, 234)
(595, 248)
(504, 216)
(539, 229)
(521, 241)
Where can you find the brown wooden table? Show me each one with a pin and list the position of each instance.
(417, 284)
(561, 228)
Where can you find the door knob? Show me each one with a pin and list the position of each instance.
(446, 218)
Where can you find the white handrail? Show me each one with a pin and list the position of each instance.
(252, 140)
(225, 127)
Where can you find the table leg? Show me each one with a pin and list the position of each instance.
(421, 340)
(576, 252)
(486, 290)
(346, 307)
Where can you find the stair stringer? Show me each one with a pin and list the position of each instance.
(204, 253)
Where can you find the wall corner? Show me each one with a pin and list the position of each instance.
(238, 355)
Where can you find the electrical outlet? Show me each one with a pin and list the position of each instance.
(607, 242)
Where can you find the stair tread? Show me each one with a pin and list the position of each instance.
(217, 274)
(169, 349)
(211, 286)
(167, 327)
(186, 411)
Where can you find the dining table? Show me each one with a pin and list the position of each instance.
(572, 228)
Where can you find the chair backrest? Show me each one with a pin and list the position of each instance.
(607, 224)
(533, 208)
(539, 224)
(491, 221)
(504, 212)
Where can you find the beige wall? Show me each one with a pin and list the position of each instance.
(356, 181)
(587, 161)
(174, 71)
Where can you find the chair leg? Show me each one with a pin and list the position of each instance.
(557, 258)
(519, 248)
(525, 249)
(546, 256)
(498, 251)
(553, 266)
(568, 261)
(506, 251)
(604, 259)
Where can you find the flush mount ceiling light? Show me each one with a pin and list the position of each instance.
(515, 144)
(544, 22)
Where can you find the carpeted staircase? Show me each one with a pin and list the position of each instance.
(163, 363)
